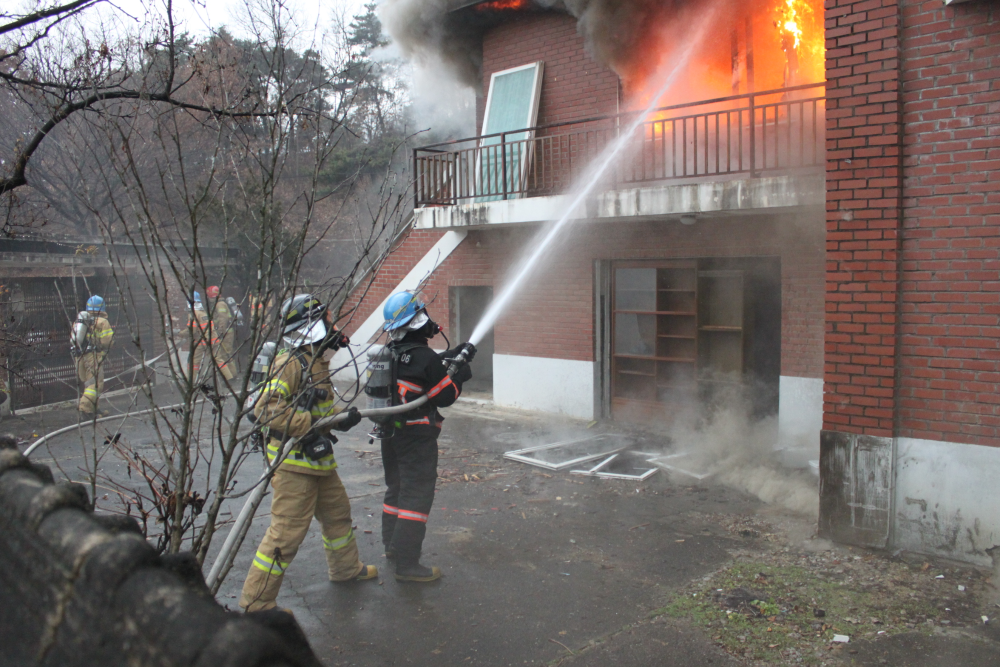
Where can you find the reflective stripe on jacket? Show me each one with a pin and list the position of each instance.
(279, 410)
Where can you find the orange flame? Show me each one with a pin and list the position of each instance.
(761, 45)
(502, 5)
(789, 23)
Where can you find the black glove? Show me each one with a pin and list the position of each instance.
(463, 374)
(469, 349)
(353, 419)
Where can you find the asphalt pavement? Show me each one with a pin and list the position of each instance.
(539, 567)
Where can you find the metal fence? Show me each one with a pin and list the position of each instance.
(38, 315)
(758, 133)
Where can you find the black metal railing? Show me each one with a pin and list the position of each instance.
(753, 134)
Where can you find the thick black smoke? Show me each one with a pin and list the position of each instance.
(618, 32)
(429, 33)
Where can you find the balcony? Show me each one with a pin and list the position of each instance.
(774, 137)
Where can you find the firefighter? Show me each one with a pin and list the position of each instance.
(410, 455)
(197, 333)
(306, 484)
(204, 343)
(92, 337)
(224, 329)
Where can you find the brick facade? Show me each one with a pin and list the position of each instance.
(554, 314)
(913, 218)
(863, 214)
(950, 343)
(574, 85)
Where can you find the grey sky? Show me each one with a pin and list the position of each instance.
(199, 17)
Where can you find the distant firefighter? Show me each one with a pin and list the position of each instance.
(224, 319)
(90, 342)
(205, 344)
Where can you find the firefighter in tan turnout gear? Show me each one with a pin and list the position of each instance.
(205, 342)
(224, 328)
(296, 394)
(90, 342)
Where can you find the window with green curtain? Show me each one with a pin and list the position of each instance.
(512, 104)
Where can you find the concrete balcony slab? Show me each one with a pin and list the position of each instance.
(657, 200)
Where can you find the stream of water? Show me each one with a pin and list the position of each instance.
(590, 180)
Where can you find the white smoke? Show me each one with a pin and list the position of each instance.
(739, 451)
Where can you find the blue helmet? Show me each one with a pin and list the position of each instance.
(95, 304)
(400, 309)
(197, 297)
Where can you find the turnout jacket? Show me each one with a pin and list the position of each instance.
(420, 370)
(202, 331)
(99, 336)
(280, 407)
(222, 317)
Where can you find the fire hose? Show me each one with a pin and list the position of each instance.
(224, 561)
(48, 436)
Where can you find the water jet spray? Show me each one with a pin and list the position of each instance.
(591, 179)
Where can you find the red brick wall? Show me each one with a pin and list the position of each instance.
(554, 315)
(375, 289)
(574, 85)
(950, 344)
(913, 218)
(863, 214)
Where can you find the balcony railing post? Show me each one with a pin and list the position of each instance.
(416, 181)
(503, 161)
(753, 138)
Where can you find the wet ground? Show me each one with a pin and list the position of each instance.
(543, 567)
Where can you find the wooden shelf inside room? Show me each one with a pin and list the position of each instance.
(648, 358)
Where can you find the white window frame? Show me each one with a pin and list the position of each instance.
(532, 121)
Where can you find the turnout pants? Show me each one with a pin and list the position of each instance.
(227, 349)
(298, 497)
(204, 355)
(221, 357)
(410, 459)
(91, 373)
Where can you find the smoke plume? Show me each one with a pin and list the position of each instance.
(619, 33)
(427, 33)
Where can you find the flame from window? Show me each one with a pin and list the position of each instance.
(502, 5)
(760, 45)
(789, 23)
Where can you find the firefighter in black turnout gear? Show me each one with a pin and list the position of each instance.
(410, 455)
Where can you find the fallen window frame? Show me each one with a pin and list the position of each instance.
(523, 455)
(597, 472)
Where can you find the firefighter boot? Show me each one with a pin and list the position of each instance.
(414, 571)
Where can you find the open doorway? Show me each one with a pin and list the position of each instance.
(687, 336)
(468, 304)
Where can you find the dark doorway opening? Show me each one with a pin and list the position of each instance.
(468, 304)
(689, 335)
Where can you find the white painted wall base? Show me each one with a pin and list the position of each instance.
(549, 385)
(800, 414)
(946, 499)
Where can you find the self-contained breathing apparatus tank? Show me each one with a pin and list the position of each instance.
(379, 388)
(78, 335)
(258, 374)
(237, 313)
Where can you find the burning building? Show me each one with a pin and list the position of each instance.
(803, 223)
